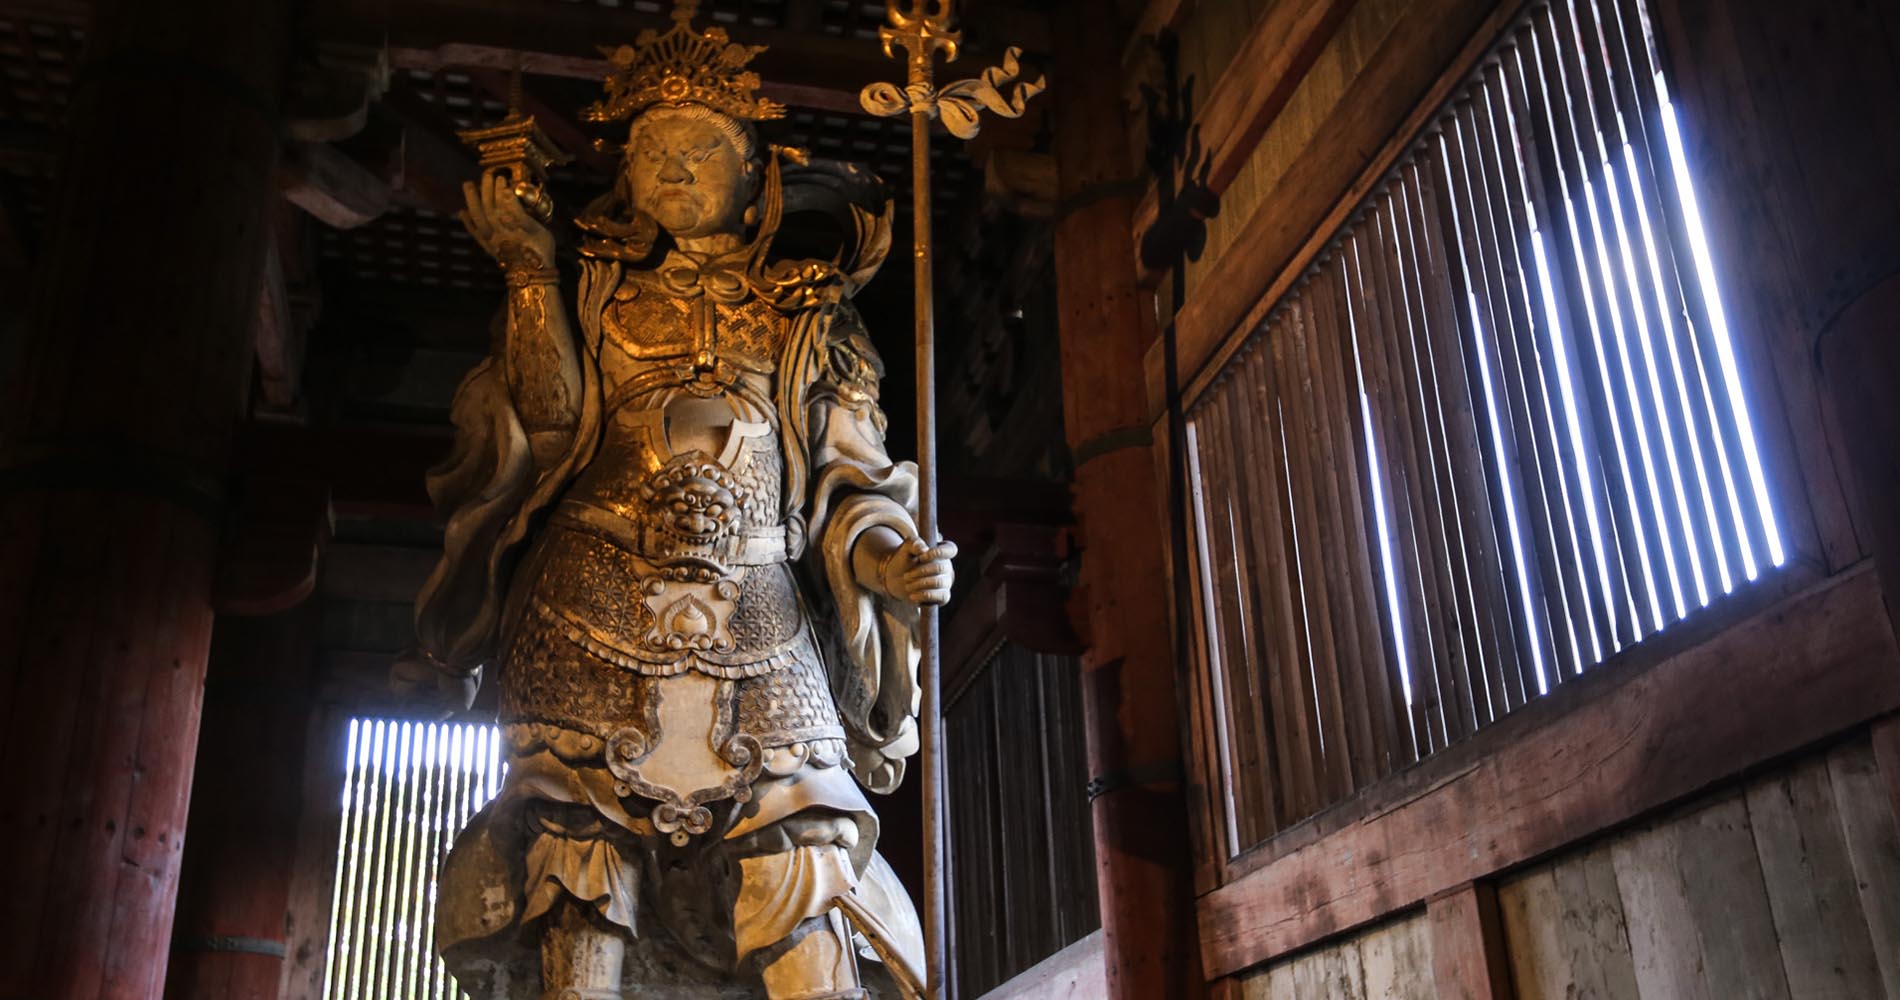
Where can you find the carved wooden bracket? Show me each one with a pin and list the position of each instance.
(272, 533)
(1020, 594)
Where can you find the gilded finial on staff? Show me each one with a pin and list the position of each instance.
(924, 30)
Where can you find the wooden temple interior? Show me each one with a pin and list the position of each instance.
(1427, 477)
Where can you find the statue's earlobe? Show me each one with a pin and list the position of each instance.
(752, 214)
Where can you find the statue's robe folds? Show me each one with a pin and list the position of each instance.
(694, 686)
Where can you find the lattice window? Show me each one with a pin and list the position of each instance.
(411, 788)
(1495, 435)
(1021, 853)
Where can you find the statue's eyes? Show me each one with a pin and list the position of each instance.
(699, 155)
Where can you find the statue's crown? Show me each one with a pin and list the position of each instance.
(683, 66)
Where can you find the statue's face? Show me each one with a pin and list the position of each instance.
(687, 175)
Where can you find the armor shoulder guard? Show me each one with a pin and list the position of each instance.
(852, 368)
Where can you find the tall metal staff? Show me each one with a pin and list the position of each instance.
(922, 31)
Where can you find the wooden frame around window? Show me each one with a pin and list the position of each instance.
(1803, 658)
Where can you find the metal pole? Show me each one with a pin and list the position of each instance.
(922, 30)
(930, 729)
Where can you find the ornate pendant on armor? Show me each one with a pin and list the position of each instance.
(690, 611)
(693, 755)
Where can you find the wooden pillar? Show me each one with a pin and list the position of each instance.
(1143, 870)
(1469, 961)
(114, 434)
(230, 940)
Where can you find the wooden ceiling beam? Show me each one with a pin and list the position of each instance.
(327, 183)
(74, 12)
(288, 302)
(277, 338)
(570, 135)
(803, 68)
(435, 164)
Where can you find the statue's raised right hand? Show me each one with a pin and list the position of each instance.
(503, 227)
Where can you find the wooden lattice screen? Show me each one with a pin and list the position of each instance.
(1495, 435)
(410, 789)
(1020, 840)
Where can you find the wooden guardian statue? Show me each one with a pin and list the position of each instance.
(677, 543)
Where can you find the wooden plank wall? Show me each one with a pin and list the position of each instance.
(1786, 887)
(1314, 100)
(1389, 962)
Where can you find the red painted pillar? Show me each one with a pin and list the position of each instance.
(114, 433)
(229, 940)
(1143, 870)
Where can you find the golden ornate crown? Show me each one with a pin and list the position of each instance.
(683, 66)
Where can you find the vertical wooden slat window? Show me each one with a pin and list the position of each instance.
(1495, 435)
(1020, 839)
(410, 789)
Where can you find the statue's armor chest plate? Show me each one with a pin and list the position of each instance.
(648, 321)
(690, 452)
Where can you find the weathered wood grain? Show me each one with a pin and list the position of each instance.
(1721, 874)
(1599, 935)
(1565, 929)
(1533, 916)
(1074, 973)
(1662, 934)
(1397, 959)
(1698, 910)
(1872, 834)
(1468, 950)
(1600, 751)
(1805, 864)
